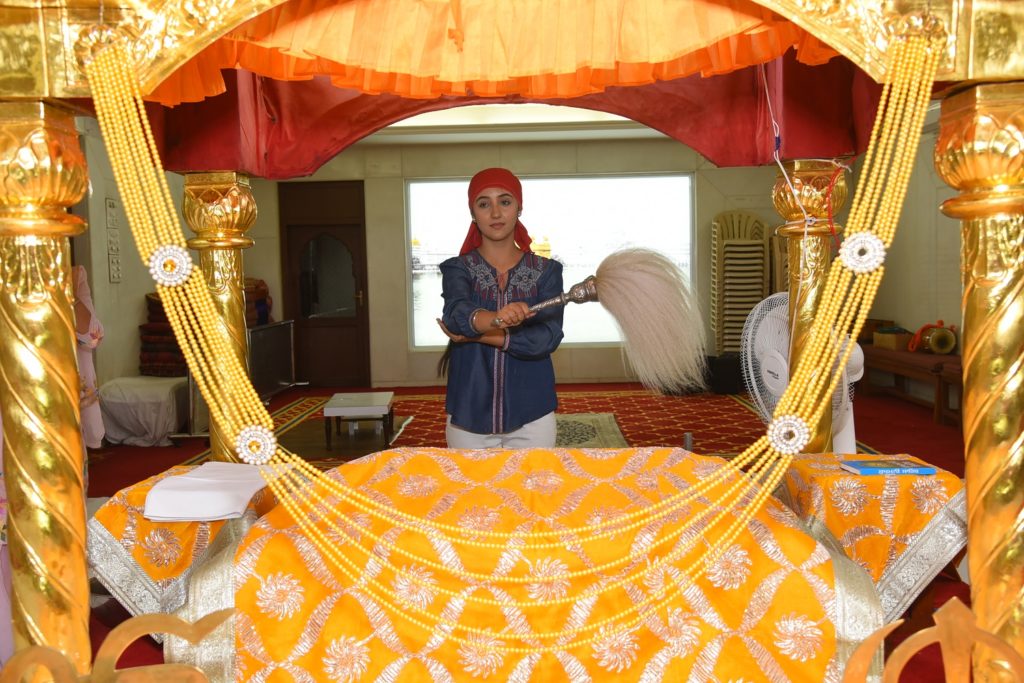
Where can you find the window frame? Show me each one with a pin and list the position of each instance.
(690, 268)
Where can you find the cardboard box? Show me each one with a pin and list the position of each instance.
(867, 332)
(896, 341)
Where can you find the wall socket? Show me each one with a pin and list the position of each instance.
(114, 267)
(113, 242)
(113, 222)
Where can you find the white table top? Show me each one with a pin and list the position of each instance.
(365, 404)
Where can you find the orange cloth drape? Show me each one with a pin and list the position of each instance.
(763, 611)
(533, 48)
(879, 519)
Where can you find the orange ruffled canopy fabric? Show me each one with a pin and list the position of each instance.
(492, 48)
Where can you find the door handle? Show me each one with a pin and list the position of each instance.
(359, 297)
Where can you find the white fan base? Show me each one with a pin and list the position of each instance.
(844, 438)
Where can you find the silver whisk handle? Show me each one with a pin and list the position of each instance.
(579, 293)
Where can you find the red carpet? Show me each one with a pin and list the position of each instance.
(894, 426)
(719, 424)
(103, 619)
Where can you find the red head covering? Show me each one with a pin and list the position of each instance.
(506, 180)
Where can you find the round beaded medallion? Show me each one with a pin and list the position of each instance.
(170, 265)
(862, 252)
(788, 434)
(256, 445)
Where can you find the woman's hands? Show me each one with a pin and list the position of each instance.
(512, 314)
(457, 338)
(493, 337)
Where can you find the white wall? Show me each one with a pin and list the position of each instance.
(120, 306)
(384, 171)
(922, 281)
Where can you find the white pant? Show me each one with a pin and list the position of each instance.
(537, 434)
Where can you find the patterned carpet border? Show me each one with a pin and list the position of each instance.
(286, 417)
(644, 418)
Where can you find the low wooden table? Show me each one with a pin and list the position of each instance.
(355, 407)
(904, 365)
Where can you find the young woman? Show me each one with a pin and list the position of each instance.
(501, 383)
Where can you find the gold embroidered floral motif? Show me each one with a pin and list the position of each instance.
(849, 495)
(682, 632)
(929, 495)
(603, 515)
(615, 650)
(161, 547)
(647, 480)
(731, 570)
(706, 468)
(417, 485)
(547, 590)
(280, 596)
(416, 592)
(542, 481)
(658, 579)
(479, 518)
(782, 515)
(346, 660)
(350, 528)
(797, 637)
(480, 658)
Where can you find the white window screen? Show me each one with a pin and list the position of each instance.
(581, 220)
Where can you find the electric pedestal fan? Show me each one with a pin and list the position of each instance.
(764, 359)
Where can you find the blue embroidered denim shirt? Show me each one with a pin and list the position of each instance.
(491, 390)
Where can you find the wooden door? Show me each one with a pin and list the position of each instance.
(323, 239)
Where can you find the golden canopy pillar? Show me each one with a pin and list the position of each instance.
(42, 173)
(985, 41)
(815, 188)
(219, 207)
(978, 152)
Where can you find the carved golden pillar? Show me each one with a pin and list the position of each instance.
(979, 153)
(219, 207)
(42, 173)
(809, 251)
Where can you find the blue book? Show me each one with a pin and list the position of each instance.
(886, 466)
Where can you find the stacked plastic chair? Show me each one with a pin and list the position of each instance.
(739, 274)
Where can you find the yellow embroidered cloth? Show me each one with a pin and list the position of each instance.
(902, 529)
(762, 611)
(145, 564)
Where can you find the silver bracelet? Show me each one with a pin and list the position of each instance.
(472, 319)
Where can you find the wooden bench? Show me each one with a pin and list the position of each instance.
(951, 378)
(926, 368)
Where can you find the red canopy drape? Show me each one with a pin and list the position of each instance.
(278, 129)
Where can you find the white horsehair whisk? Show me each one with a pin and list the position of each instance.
(662, 329)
